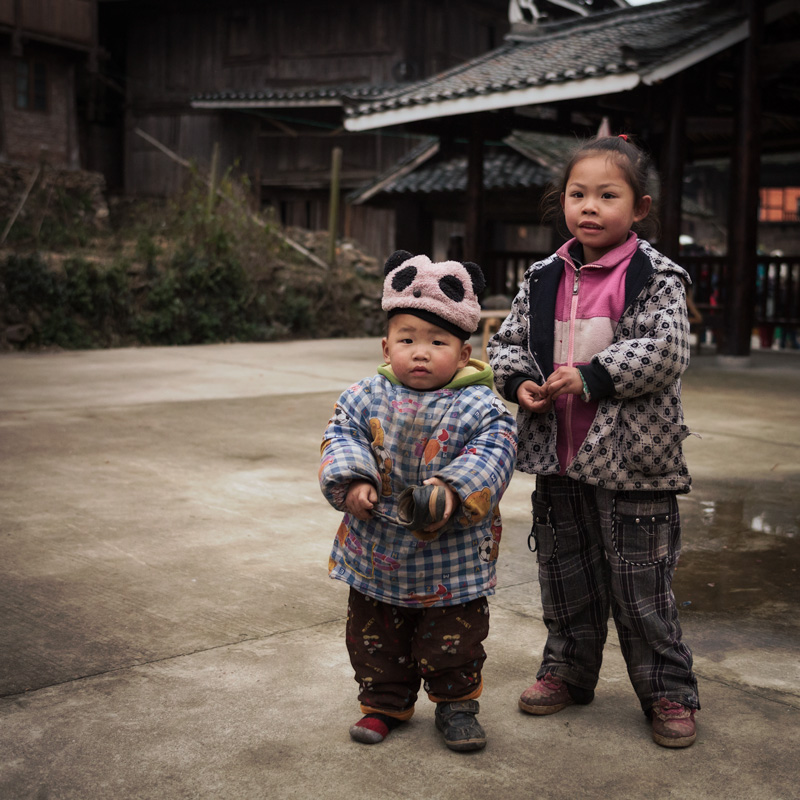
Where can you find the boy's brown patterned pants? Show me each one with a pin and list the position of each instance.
(394, 648)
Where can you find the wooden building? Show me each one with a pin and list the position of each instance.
(276, 86)
(47, 48)
(694, 79)
(266, 82)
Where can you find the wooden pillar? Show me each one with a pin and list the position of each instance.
(740, 283)
(473, 238)
(95, 46)
(673, 156)
(333, 203)
(413, 227)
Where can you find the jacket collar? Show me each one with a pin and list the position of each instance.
(571, 252)
(475, 373)
(542, 298)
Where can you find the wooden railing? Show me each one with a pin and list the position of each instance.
(776, 295)
(504, 269)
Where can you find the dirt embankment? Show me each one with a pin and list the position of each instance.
(79, 269)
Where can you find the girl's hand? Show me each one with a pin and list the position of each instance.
(565, 380)
(533, 398)
(361, 499)
(451, 503)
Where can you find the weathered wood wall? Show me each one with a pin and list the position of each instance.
(58, 19)
(182, 49)
(49, 135)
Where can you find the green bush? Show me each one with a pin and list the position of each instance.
(197, 300)
(202, 271)
(80, 306)
(28, 284)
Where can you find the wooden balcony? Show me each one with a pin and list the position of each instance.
(50, 20)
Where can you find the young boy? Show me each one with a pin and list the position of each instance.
(418, 457)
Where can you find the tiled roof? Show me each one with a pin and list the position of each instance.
(605, 52)
(502, 169)
(531, 161)
(290, 96)
(551, 150)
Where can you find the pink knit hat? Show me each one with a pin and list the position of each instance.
(445, 294)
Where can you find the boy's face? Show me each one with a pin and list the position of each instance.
(423, 356)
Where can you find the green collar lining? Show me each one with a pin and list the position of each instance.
(475, 373)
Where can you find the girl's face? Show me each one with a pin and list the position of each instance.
(599, 205)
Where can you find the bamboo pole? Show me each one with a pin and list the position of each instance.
(212, 181)
(254, 217)
(28, 188)
(333, 217)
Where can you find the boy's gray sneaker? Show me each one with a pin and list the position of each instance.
(457, 723)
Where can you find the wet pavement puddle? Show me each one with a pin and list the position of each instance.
(741, 552)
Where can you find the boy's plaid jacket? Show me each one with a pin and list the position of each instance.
(395, 437)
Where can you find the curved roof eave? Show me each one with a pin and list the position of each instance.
(546, 93)
(242, 104)
(533, 95)
(666, 70)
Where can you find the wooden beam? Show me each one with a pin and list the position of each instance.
(21, 203)
(381, 184)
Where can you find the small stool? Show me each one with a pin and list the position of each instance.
(491, 320)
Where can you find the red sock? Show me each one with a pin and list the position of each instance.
(373, 728)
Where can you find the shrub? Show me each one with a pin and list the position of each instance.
(81, 306)
(202, 271)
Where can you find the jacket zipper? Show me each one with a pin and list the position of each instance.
(573, 312)
(573, 317)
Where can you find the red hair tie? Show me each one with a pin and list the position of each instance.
(623, 136)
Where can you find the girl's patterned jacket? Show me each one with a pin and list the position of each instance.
(395, 437)
(635, 440)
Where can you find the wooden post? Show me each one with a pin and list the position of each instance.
(413, 227)
(740, 284)
(212, 181)
(673, 157)
(473, 238)
(333, 217)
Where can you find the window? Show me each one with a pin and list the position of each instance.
(240, 33)
(779, 205)
(31, 86)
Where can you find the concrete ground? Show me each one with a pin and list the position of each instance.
(168, 629)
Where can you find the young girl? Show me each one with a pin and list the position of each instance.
(592, 352)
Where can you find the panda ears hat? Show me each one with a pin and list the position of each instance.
(444, 294)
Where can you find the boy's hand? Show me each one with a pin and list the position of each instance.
(361, 499)
(533, 397)
(565, 380)
(451, 503)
